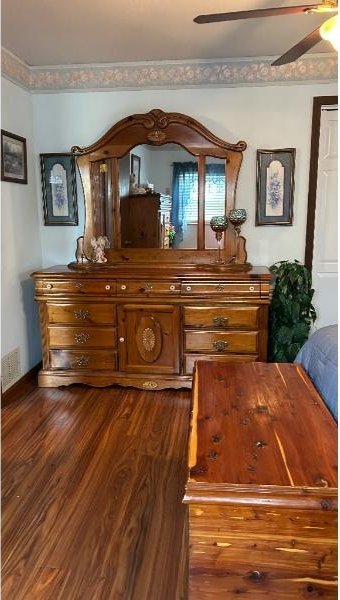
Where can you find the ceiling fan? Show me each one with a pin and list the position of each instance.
(328, 30)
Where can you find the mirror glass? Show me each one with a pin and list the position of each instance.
(215, 196)
(158, 189)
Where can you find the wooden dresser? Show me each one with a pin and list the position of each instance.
(262, 491)
(145, 325)
(141, 315)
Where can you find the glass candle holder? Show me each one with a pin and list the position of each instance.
(237, 216)
(219, 225)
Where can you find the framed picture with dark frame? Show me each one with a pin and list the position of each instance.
(13, 157)
(58, 177)
(135, 167)
(275, 186)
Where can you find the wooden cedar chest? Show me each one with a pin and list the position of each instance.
(262, 491)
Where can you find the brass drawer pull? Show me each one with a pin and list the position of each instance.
(81, 314)
(219, 287)
(251, 288)
(220, 321)
(49, 286)
(123, 287)
(107, 287)
(188, 288)
(82, 338)
(220, 345)
(172, 288)
(148, 287)
(80, 361)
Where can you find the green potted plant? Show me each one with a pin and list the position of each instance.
(291, 312)
(171, 234)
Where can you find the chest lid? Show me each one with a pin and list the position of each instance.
(259, 429)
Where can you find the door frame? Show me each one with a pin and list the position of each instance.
(318, 103)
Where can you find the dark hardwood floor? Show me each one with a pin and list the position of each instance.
(92, 484)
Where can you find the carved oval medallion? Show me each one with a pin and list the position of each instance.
(149, 338)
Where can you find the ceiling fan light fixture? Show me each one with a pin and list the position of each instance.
(329, 31)
(327, 6)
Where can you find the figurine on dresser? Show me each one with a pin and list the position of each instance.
(99, 244)
(134, 187)
(80, 254)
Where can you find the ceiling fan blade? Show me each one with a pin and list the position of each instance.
(299, 49)
(254, 14)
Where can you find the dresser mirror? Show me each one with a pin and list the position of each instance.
(186, 175)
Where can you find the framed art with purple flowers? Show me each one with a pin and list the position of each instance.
(58, 177)
(275, 186)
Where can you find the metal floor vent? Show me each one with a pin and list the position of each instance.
(10, 369)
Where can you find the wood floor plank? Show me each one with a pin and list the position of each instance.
(93, 482)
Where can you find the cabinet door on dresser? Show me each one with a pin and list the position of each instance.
(149, 338)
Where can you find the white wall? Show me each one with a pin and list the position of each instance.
(265, 117)
(20, 238)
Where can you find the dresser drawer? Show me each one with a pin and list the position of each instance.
(147, 287)
(190, 359)
(220, 342)
(221, 317)
(81, 313)
(220, 288)
(86, 359)
(76, 286)
(102, 337)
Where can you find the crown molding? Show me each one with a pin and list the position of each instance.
(311, 68)
(15, 69)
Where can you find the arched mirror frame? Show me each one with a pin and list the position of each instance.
(156, 128)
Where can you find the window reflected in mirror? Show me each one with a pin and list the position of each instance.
(215, 196)
(162, 210)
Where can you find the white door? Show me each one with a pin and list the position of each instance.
(325, 254)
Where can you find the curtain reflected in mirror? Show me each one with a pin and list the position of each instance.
(184, 213)
(162, 211)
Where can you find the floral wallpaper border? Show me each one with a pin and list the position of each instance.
(174, 74)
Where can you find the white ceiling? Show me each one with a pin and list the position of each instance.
(64, 32)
